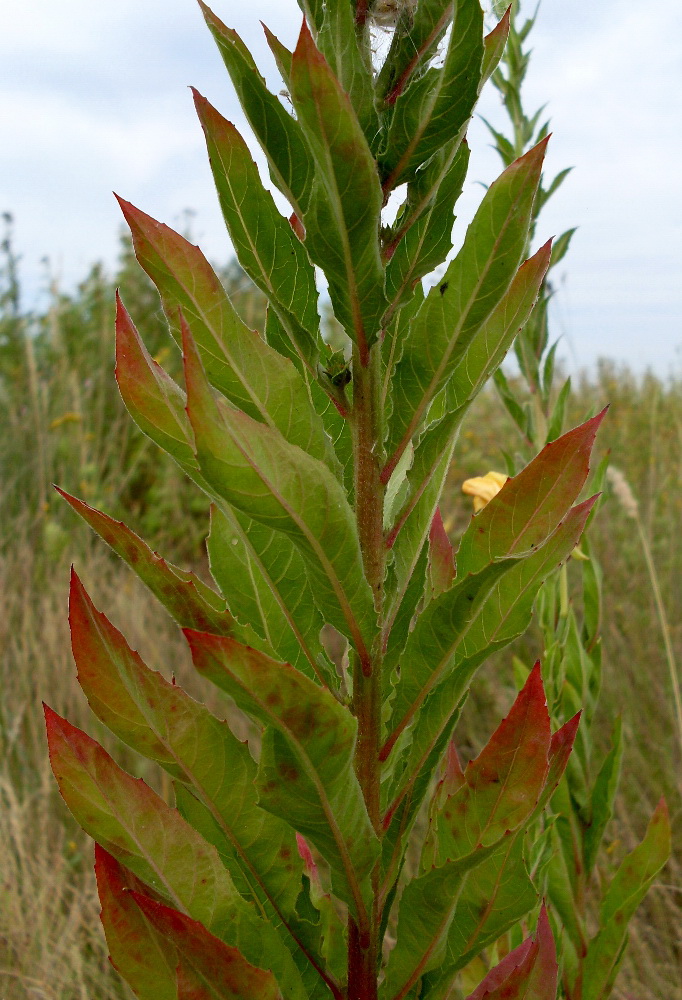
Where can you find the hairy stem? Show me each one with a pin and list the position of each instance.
(363, 950)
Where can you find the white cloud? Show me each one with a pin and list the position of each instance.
(93, 98)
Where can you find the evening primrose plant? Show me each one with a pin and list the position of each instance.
(343, 849)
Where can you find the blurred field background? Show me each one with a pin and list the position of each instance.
(62, 421)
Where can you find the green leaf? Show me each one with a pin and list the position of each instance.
(556, 423)
(494, 45)
(427, 241)
(628, 888)
(265, 244)
(207, 968)
(338, 429)
(603, 795)
(562, 245)
(432, 647)
(343, 219)
(279, 134)
(432, 455)
(530, 506)
(264, 580)
(561, 887)
(145, 959)
(435, 107)
(306, 773)
(131, 822)
(489, 346)
(556, 183)
(516, 411)
(398, 821)
(527, 973)
(505, 615)
(413, 524)
(496, 894)
(337, 40)
(187, 599)
(255, 470)
(416, 36)
(238, 362)
(427, 907)
(455, 309)
(401, 622)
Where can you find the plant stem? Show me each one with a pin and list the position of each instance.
(363, 951)
(665, 627)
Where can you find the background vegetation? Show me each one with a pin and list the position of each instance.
(62, 421)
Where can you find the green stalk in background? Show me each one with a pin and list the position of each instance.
(569, 839)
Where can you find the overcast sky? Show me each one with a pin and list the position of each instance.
(93, 98)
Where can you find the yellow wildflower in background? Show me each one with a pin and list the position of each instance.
(71, 417)
(484, 488)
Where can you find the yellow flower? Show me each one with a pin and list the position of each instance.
(484, 488)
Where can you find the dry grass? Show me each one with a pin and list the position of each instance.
(51, 945)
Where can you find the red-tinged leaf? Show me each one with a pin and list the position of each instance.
(530, 505)
(511, 961)
(134, 824)
(211, 970)
(144, 958)
(441, 557)
(527, 973)
(238, 362)
(131, 822)
(454, 772)
(560, 749)
(494, 45)
(503, 784)
(154, 401)
(306, 771)
(252, 468)
(161, 721)
(187, 599)
(332, 942)
(309, 861)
